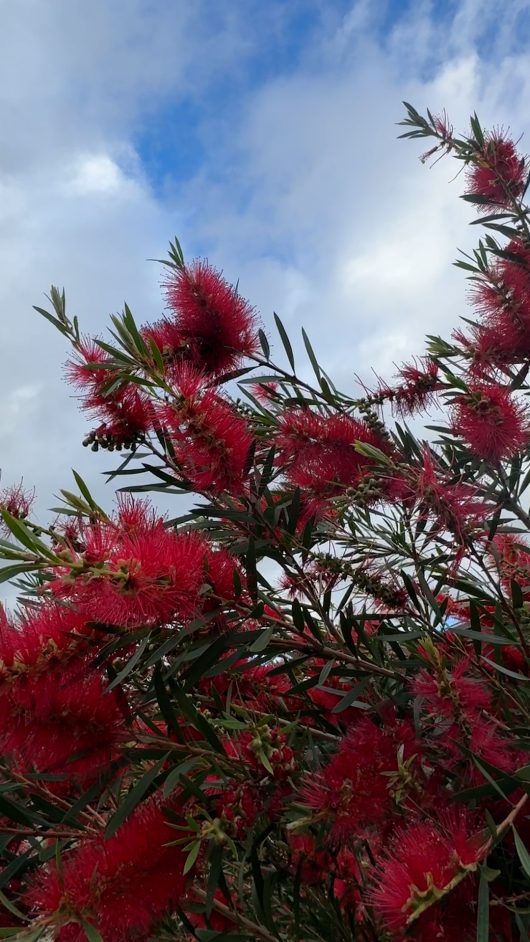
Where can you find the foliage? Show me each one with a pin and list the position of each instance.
(300, 710)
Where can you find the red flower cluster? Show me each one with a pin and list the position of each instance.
(47, 634)
(122, 886)
(211, 440)
(355, 789)
(493, 423)
(416, 391)
(61, 724)
(16, 501)
(458, 708)
(56, 718)
(328, 667)
(498, 174)
(449, 505)
(213, 326)
(425, 862)
(124, 410)
(317, 454)
(502, 299)
(133, 570)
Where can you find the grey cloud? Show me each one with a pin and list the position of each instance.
(307, 197)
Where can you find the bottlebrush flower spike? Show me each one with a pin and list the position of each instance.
(423, 863)
(216, 324)
(419, 383)
(132, 575)
(512, 557)
(319, 453)
(46, 634)
(212, 441)
(501, 298)
(354, 790)
(125, 413)
(446, 692)
(122, 885)
(17, 502)
(63, 722)
(498, 173)
(455, 507)
(492, 422)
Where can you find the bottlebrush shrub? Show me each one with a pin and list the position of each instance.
(300, 711)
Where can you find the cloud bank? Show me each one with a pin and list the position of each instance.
(266, 139)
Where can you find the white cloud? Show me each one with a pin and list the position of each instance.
(305, 195)
(96, 173)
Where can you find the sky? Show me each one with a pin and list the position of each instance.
(263, 135)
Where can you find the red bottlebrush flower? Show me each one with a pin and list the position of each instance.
(488, 744)
(421, 863)
(167, 338)
(130, 415)
(502, 299)
(17, 502)
(47, 634)
(446, 692)
(132, 575)
(215, 323)
(492, 422)
(212, 441)
(265, 392)
(318, 452)
(452, 506)
(314, 576)
(224, 576)
(125, 412)
(62, 722)
(449, 920)
(416, 391)
(512, 556)
(240, 805)
(354, 789)
(253, 687)
(498, 173)
(100, 880)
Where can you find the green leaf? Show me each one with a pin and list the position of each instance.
(29, 935)
(483, 910)
(7, 904)
(370, 451)
(503, 670)
(517, 594)
(91, 932)
(174, 777)
(326, 391)
(23, 534)
(215, 872)
(86, 493)
(310, 352)
(265, 346)
(477, 130)
(192, 857)
(285, 340)
(9, 572)
(522, 853)
(262, 641)
(130, 665)
(197, 719)
(134, 796)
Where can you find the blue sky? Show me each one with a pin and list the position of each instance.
(264, 135)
